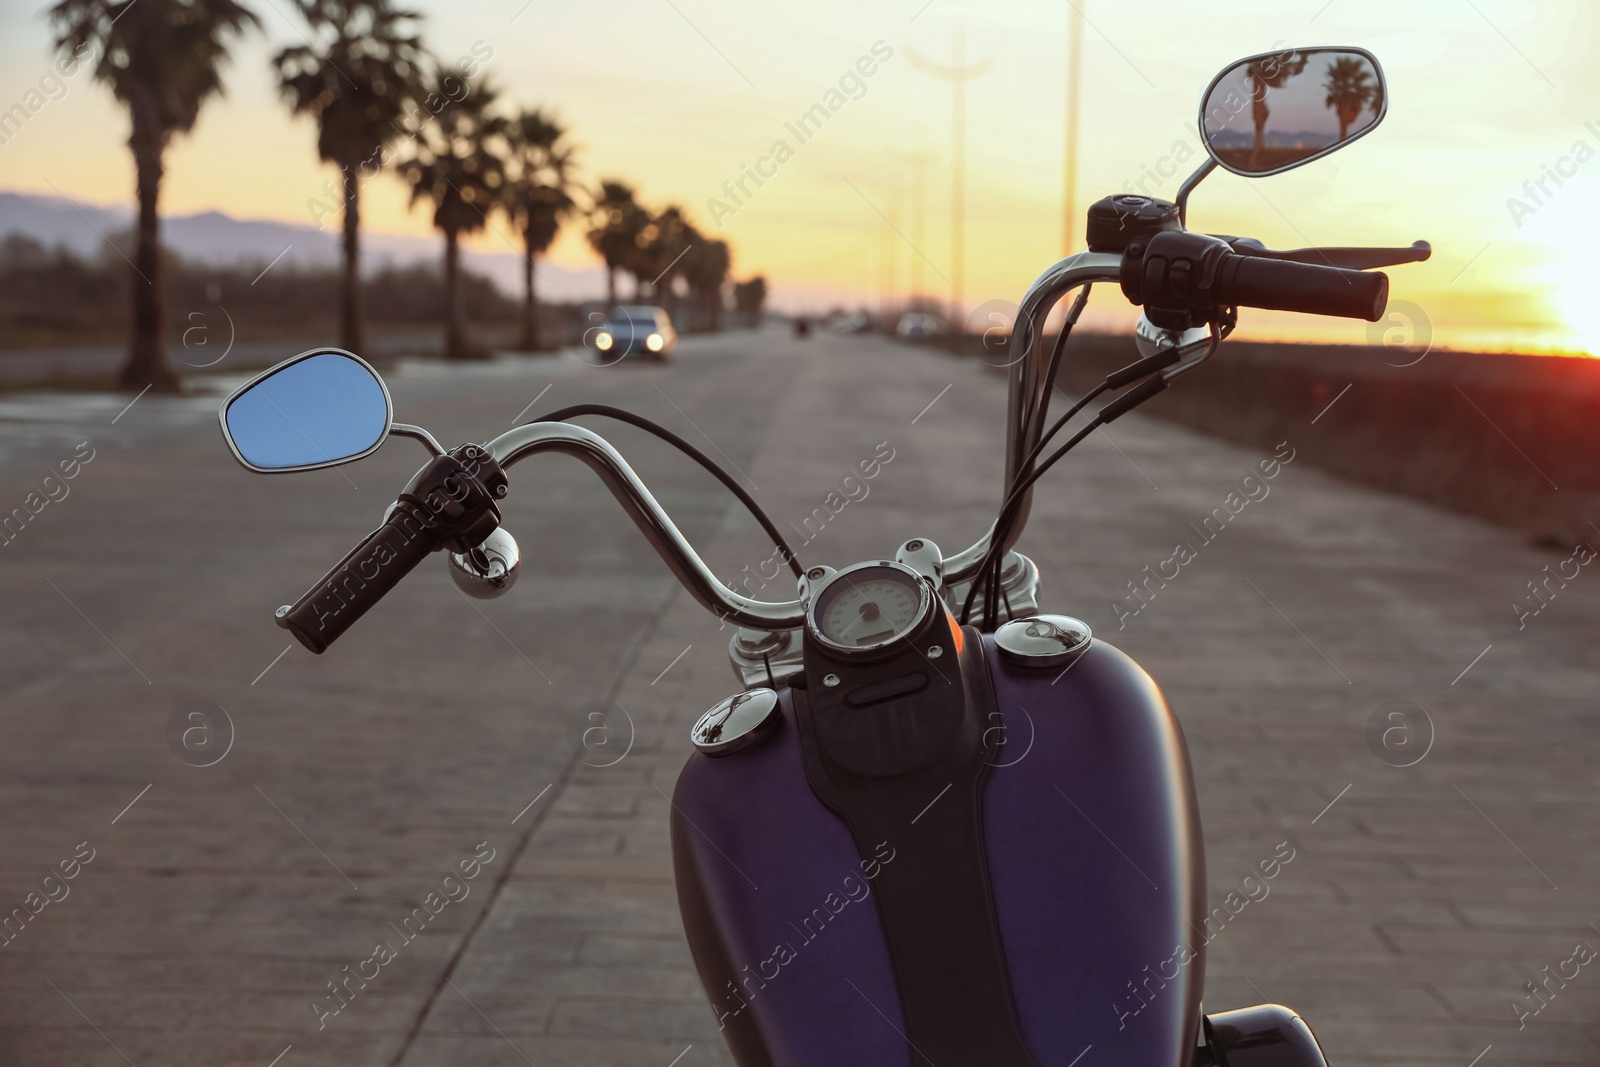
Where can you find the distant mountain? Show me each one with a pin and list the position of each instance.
(212, 237)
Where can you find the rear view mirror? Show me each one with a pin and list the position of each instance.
(319, 409)
(1274, 112)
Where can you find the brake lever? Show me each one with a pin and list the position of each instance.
(1347, 258)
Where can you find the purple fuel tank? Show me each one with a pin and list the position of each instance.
(1095, 861)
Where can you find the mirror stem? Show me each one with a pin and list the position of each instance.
(417, 433)
(1188, 187)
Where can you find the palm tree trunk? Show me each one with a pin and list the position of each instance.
(611, 287)
(530, 304)
(147, 363)
(1259, 113)
(454, 348)
(350, 304)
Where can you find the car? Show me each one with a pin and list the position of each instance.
(636, 331)
(850, 322)
(915, 325)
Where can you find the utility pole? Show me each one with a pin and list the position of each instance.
(891, 237)
(1069, 192)
(957, 73)
(919, 160)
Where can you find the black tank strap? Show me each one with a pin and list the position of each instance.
(934, 897)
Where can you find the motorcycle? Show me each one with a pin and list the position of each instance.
(867, 872)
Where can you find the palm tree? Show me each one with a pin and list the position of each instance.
(457, 166)
(706, 271)
(663, 245)
(356, 76)
(750, 297)
(162, 60)
(1350, 89)
(1264, 74)
(538, 199)
(615, 223)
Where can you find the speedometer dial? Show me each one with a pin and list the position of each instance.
(869, 606)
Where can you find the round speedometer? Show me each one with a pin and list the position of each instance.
(869, 606)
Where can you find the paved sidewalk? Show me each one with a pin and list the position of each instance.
(1420, 901)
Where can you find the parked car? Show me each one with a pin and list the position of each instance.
(636, 331)
(851, 322)
(915, 325)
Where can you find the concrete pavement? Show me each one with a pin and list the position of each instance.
(222, 900)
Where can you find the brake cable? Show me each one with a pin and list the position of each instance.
(988, 574)
(1068, 321)
(989, 568)
(1037, 415)
(649, 426)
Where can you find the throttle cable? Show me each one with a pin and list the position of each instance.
(650, 426)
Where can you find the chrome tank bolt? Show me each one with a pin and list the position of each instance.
(736, 723)
(1042, 640)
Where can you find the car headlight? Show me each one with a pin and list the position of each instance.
(654, 342)
(602, 341)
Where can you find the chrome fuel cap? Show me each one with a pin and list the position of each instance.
(736, 722)
(1042, 640)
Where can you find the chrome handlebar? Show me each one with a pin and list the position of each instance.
(1027, 373)
(1026, 387)
(651, 519)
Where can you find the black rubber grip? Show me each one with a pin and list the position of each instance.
(1276, 285)
(357, 582)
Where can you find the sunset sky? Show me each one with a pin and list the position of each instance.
(677, 96)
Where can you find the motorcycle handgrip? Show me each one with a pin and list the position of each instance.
(1277, 285)
(356, 582)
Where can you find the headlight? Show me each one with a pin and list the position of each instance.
(654, 342)
(602, 341)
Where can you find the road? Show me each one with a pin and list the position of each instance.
(221, 901)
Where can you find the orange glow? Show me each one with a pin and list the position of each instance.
(1491, 149)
